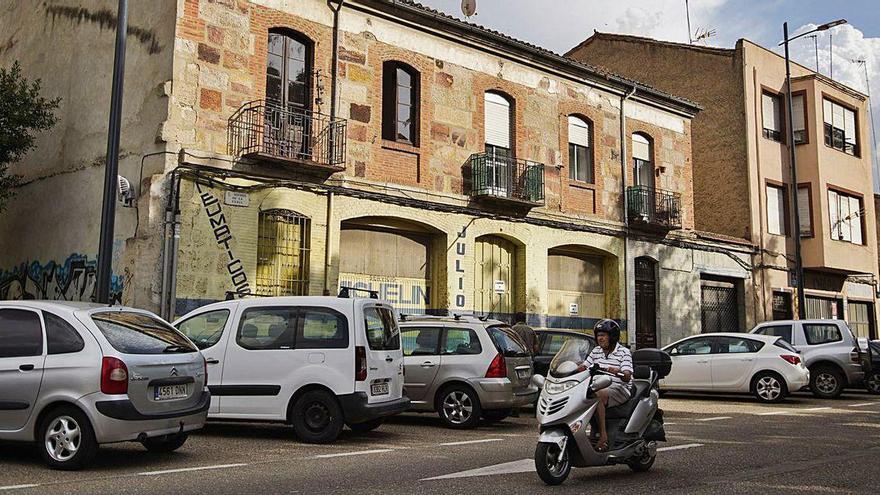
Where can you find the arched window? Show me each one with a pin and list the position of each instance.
(643, 163)
(580, 157)
(289, 71)
(400, 103)
(283, 253)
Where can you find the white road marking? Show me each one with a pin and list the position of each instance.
(817, 409)
(185, 470)
(717, 418)
(524, 466)
(17, 487)
(774, 413)
(863, 404)
(468, 442)
(680, 447)
(346, 454)
(669, 424)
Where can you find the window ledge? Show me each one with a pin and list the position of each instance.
(400, 146)
(581, 185)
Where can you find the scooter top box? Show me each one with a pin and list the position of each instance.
(656, 359)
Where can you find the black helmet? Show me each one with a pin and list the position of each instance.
(611, 328)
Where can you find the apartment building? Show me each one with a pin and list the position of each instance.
(742, 180)
(289, 148)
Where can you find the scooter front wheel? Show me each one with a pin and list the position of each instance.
(552, 465)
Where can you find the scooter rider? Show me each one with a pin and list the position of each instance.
(611, 357)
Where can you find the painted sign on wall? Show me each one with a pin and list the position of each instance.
(223, 236)
(408, 295)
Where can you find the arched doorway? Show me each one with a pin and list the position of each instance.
(646, 302)
(495, 281)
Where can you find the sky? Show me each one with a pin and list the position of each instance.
(559, 25)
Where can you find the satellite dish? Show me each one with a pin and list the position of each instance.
(468, 7)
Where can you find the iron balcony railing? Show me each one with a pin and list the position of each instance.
(654, 207)
(268, 130)
(507, 178)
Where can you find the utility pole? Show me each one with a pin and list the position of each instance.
(111, 169)
(687, 9)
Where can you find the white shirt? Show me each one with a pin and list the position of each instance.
(619, 357)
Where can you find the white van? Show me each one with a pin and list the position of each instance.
(314, 362)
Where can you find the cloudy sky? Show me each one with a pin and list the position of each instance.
(561, 24)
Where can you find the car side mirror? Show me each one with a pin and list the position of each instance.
(538, 380)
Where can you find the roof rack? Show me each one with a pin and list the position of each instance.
(230, 295)
(344, 292)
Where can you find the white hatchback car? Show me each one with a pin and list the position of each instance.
(766, 366)
(76, 375)
(314, 362)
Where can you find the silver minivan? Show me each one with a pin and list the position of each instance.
(465, 368)
(76, 375)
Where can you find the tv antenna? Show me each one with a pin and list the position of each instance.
(469, 7)
(703, 34)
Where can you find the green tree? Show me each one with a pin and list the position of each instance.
(23, 113)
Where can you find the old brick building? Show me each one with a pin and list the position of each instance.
(447, 166)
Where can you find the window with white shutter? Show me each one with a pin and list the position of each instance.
(805, 213)
(580, 160)
(497, 120)
(799, 116)
(855, 220)
(643, 167)
(841, 132)
(771, 109)
(775, 210)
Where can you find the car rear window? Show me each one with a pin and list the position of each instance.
(139, 333)
(382, 331)
(507, 341)
(783, 331)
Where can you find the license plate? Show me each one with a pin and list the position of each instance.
(379, 389)
(171, 392)
(523, 374)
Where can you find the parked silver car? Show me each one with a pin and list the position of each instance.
(829, 350)
(465, 368)
(76, 375)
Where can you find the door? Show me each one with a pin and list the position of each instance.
(690, 365)
(288, 121)
(495, 279)
(646, 303)
(733, 360)
(259, 359)
(22, 355)
(719, 307)
(209, 333)
(384, 355)
(421, 360)
(782, 306)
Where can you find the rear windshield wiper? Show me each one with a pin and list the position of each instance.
(177, 348)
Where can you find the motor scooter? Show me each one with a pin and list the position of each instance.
(567, 406)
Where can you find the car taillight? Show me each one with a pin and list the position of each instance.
(792, 359)
(360, 363)
(114, 376)
(498, 368)
(854, 355)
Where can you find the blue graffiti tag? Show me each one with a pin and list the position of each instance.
(74, 280)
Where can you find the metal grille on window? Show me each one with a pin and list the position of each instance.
(283, 253)
(720, 312)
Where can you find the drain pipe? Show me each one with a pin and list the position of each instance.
(175, 244)
(334, 77)
(623, 175)
(172, 242)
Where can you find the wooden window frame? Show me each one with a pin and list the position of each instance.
(857, 150)
(309, 44)
(809, 187)
(794, 95)
(390, 103)
(786, 213)
(782, 115)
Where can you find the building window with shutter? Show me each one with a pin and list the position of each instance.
(580, 156)
(771, 110)
(799, 117)
(845, 214)
(643, 165)
(497, 118)
(283, 253)
(805, 210)
(777, 206)
(400, 103)
(840, 127)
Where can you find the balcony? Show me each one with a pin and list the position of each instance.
(653, 209)
(289, 136)
(506, 180)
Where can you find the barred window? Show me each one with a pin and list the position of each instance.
(283, 253)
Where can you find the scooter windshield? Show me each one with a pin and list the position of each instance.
(571, 355)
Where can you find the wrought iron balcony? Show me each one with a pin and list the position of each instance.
(267, 131)
(653, 208)
(507, 179)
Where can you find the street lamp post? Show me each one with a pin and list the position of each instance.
(798, 261)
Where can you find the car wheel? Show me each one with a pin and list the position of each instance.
(826, 382)
(165, 443)
(872, 383)
(494, 415)
(459, 407)
(67, 439)
(366, 426)
(769, 387)
(316, 417)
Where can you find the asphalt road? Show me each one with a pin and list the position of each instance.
(716, 444)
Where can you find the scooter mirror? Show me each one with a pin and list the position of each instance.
(538, 380)
(600, 382)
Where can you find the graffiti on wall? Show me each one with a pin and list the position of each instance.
(223, 236)
(74, 280)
